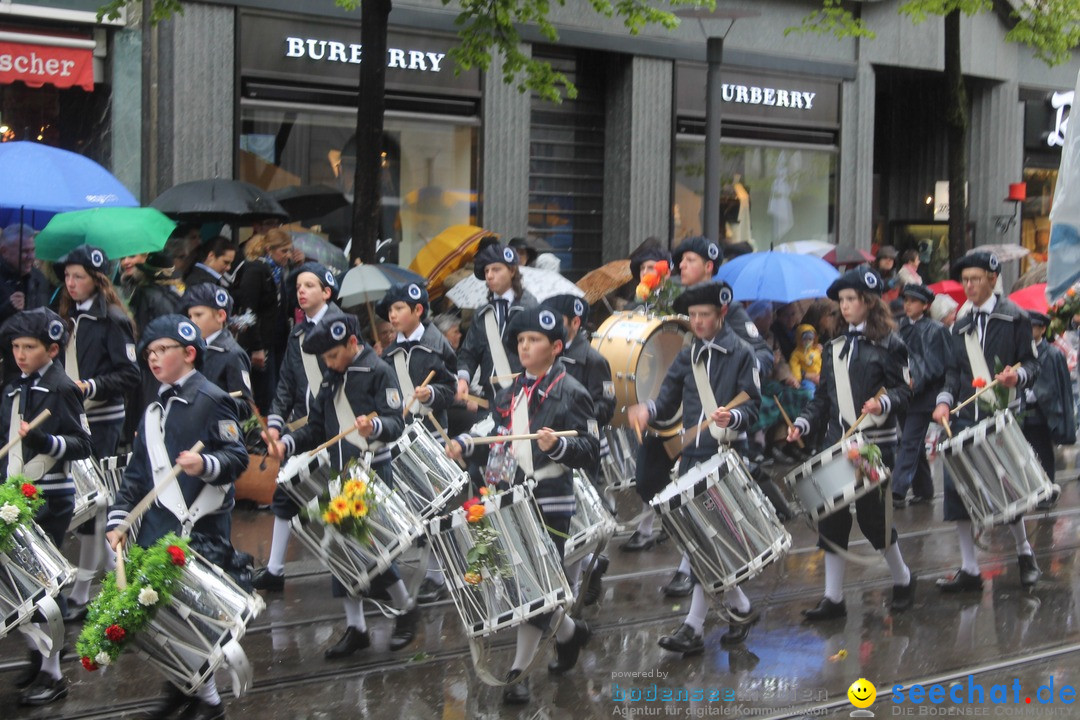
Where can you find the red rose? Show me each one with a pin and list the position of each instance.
(978, 383)
(89, 664)
(115, 633)
(176, 554)
(470, 502)
(29, 490)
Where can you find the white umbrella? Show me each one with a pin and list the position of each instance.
(817, 248)
(472, 293)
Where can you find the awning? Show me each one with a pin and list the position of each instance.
(38, 59)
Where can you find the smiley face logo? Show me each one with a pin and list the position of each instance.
(862, 693)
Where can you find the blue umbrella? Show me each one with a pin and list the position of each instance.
(777, 276)
(42, 178)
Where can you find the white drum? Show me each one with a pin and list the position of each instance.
(724, 523)
(423, 474)
(305, 477)
(995, 471)
(91, 495)
(32, 573)
(828, 482)
(618, 467)
(199, 630)
(591, 526)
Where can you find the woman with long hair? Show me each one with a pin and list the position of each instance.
(867, 358)
(100, 358)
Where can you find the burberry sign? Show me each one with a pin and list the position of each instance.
(335, 51)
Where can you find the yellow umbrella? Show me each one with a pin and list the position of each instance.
(445, 253)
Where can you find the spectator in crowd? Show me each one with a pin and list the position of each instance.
(806, 360)
(152, 290)
(909, 270)
(22, 286)
(213, 260)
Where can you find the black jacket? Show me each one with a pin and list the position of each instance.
(201, 411)
(227, 365)
(197, 275)
(64, 435)
(739, 321)
(1007, 340)
(33, 285)
(1053, 396)
(370, 386)
(474, 351)
(254, 290)
(732, 369)
(432, 352)
(927, 342)
(877, 365)
(105, 349)
(559, 402)
(593, 371)
(291, 397)
(150, 300)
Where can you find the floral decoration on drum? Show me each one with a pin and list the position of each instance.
(19, 503)
(483, 557)
(115, 616)
(349, 511)
(657, 290)
(866, 458)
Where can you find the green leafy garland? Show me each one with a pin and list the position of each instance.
(115, 616)
(19, 503)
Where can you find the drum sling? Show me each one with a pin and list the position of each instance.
(71, 365)
(40, 464)
(709, 406)
(499, 361)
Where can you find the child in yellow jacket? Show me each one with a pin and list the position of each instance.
(805, 361)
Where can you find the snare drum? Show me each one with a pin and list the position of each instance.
(640, 349)
(199, 629)
(31, 575)
(618, 467)
(393, 528)
(91, 495)
(995, 471)
(827, 482)
(723, 522)
(423, 474)
(305, 477)
(112, 474)
(591, 525)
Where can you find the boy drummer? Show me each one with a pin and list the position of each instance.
(544, 399)
(43, 455)
(716, 367)
(189, 409)
(226, 363)
(357, 382)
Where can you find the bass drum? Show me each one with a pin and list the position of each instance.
(640, 349)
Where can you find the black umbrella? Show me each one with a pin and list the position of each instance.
(218, 200)
(309, 201)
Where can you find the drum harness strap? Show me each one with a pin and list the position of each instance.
(979, 367)
(708, 400)
(313, 373)
(499, 361)
(521, 425)
(39, 464)
(71, 363)
(401, 368)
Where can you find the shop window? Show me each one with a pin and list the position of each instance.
(429, 168)
(72, 118)
(769, 194)
(1035, 216)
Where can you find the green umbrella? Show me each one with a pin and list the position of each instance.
(118, 231)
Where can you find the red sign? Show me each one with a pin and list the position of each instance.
(37, 65)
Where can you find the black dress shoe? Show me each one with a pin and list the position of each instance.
(903, 596)
(206, 711)
(920, 499)
(684, 640)
(826, 610)
(431, 592)
(1029, 571)
(961, 582)
(44, 690)
(74, 612)
(639, 542)
(516, 692)
(596, 587)
(566, 654)
(680, 585)
(405, 629)
(739, 627)
(266, 580)
(662, 536)
(30, 673)
(899, 501)
(172, 703)
(350, 642)
(741, 659)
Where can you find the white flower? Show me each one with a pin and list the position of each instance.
(148, 596)
(102, 659)
(9, 513)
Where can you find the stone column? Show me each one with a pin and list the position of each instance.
(856, 186)
(506, 112)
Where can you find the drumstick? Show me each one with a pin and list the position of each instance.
(490, 439)
(787, 419)
(480, 402)
(980, 391)
(676, 444)
(862, 417)
(236, 394)
(637, 431)
(945, 424)
(32, 425)
(341, 436)
(297, 424)
(405, 407)
(500, 378)
(445, 437)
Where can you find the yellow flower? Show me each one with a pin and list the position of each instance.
(355, 488)
(359, 508)
(340, 505)
(331, 518)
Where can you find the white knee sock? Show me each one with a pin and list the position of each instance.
(969, 561)
(89, 559)
(834, 576)
(528, 640)
(399, 595)
(684, 564)
(279, 545)
(645, 527)
(698, 609)
(434, 570)
(566, 628)
(354, 613)
(51, 664)
(737, 599)
(901, 575)
(208, 692)
(1019, 533)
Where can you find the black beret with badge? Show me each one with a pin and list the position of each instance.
(1038, 318)
(641, 257)
(411, 294)
(92, 258)
(174, 327)
(207, 295)
(980, 259)
(918, 292)
(334, 330)
(569, 305)
(494, 254)
(40, 323)
(700, 245)
(712, 293)
(326, 278)
(539, 319)
(862, 278)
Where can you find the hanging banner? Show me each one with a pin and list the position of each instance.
(46, 64)
(1063, 268)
